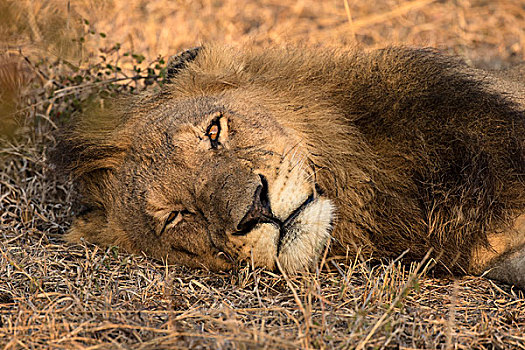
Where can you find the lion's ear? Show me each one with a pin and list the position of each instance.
(177, 62)
(95, 142)
(89, 151)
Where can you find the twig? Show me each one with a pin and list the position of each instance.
(399, 11)
(401, 295)
(350, 20)
(297, 300)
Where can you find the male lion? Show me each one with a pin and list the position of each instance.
(270, 154)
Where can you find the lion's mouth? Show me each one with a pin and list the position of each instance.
(305, 234)
(284, 227)
(296, 241)
(266, 216)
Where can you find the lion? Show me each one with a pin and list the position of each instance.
(274, 155)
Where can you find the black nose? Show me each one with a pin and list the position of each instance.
(259, 211)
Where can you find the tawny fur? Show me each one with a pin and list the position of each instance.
(415, 150)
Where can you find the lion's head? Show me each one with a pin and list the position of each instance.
(200, 180)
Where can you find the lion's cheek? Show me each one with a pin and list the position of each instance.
(260, 245)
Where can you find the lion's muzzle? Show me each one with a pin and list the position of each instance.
(264, 218)
(260, 212)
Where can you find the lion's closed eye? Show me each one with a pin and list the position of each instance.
(173, 218)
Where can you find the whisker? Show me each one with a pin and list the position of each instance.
(294, 147)
(298, 164)
(313, 174)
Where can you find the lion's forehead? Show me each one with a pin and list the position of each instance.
(180, 111)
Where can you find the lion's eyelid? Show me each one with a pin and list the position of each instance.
(174, 217)
(214, 131)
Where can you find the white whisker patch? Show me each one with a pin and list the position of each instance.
(307, 238)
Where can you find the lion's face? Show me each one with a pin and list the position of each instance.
(204, 184)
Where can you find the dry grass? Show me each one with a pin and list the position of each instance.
(57, 296)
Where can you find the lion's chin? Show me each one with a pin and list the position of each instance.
(302, 244)
(307, 238)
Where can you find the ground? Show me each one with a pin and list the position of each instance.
(54, 295)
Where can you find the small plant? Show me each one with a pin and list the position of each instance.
(60, 87)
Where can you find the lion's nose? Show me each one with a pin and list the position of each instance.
(260, 210)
